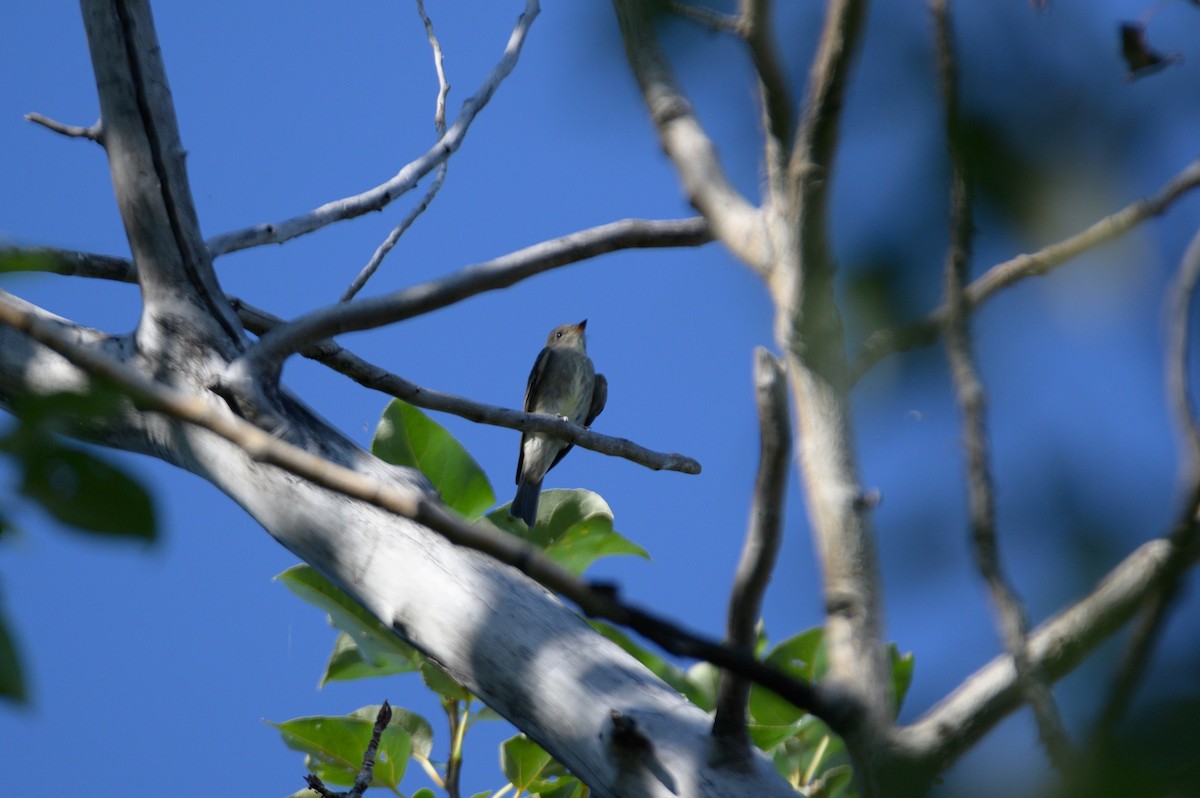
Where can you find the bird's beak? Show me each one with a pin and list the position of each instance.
(582, 325)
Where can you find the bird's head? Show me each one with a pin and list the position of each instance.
(569, 335)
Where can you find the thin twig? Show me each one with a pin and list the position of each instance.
(439, 124)
(363, 780)
(376, 378)
(973, 402)
(439, 65)
(394, 237)
(1179, 387)
(94, 132)
(882, 343)
(1141, 643)
(405, 180)
(491, 275)
(597, 601)
(762, 542)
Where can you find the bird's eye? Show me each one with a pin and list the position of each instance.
(558, 335)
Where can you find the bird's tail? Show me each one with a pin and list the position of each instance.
(525, 503)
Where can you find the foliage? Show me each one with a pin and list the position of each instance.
(574, 528)
(80, 489)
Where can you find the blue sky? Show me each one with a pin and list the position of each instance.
(153, 667)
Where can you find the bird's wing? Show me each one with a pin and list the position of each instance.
(599, 399)
(531, 390)
(540, 366)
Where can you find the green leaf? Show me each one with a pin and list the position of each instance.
(48, 412)
(834, 783)
(85, 492)
(420, 733)
(523, 761)
(441, 682)
(425, 792)
(377, 645)
(347, 661)
(574, 528)
(12, 680)
(408, 437)
(335, 745)
(902, 674)
(802, 655)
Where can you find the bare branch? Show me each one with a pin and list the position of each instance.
(777, 106)
(501, 272)
(811, 166)
(439, 124)
(762, 542)
(405, 180)
(973, 403)
(1179, 391)
(94, 131)
(376, 378)
(1055, 648)
(439, 64)
(921, 333)
(394, 237)
(737, 223)
(598, 601)
(141, 138)
(68, 262)
(713, 20)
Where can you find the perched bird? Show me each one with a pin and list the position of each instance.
(565, 383)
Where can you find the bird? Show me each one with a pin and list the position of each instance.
(563, 382)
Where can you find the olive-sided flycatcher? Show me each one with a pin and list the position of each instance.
(564, 383)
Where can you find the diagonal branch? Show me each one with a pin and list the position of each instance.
(882, 343)
(277, 345)
(597, 601)
(1056, 647)
(405, 180)
(973, 403)
(762, 543)
(376, 378)
(736, 222)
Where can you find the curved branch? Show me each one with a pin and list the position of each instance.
(762, 542)
(405, 180)
(94, 132)
(972, 400)
(1056, 647)
(277, 345)
(882, 343)
(737, 223)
